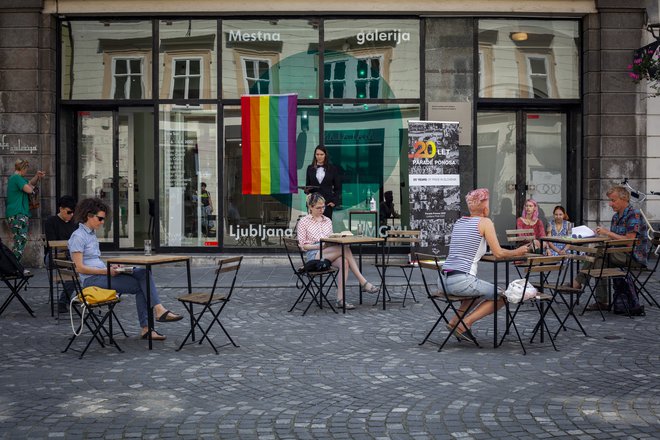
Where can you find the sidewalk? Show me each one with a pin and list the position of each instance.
(356, 376)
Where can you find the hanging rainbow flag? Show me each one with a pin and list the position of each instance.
(269, 144)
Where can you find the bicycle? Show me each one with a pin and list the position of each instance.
(641, 197)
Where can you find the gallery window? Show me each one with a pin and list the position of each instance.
(186, 78)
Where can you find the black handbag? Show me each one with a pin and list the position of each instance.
(317, 265)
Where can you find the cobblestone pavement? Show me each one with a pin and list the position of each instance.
(358, 376)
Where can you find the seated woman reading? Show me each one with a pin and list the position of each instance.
(85, 253)
(468, 244)
(315, 226)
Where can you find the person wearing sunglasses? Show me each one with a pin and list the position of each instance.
(86, 254)
(60, 227)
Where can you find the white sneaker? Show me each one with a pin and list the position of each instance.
(26, 273)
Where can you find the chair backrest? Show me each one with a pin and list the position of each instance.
(401, 238)
(430, 265)
(66, 270)
(545, 266)
(519, 235)
(57, 249)
(294, 252)
(227, 265)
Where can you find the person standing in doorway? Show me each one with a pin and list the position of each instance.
(18, 204)
(207, 209)
(322, 174)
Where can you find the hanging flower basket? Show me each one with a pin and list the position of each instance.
(646, 66)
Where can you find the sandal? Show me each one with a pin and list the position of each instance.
(168, 316)
(340, 304)
(155, 336)
(370, 288)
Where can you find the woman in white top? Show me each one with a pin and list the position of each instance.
(315, 226)
(468, 244)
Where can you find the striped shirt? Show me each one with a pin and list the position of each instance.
(311, 231)
(467, 246)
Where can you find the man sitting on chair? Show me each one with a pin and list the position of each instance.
(627, 222)
(60, 227)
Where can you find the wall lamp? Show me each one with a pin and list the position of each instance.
(518, 36)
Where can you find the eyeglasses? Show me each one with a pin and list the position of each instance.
(101, 219)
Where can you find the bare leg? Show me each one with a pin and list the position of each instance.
(461, 312)
(484, 308)
(333, 253)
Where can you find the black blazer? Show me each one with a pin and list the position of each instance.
(330, 188)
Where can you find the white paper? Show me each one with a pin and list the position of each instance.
(582, 232)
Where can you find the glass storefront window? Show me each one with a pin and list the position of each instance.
(188, 179)
(254, 221)
(371, 59)
(369, 143)
(106, 59)
(187, 65)
(529, 59)
(269, 57)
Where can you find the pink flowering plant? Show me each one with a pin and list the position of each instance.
(646, 66)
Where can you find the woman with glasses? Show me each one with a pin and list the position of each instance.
(86, 254)
(18, 203)
(315, 226)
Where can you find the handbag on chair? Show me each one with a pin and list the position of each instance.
(95, 295)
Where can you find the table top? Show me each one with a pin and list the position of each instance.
(490, 258)
(353, 239)
(360, 211)
(570, 240)
(147, 259)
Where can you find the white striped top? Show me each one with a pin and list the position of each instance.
(467, 246)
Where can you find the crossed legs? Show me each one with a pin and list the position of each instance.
(333, 253)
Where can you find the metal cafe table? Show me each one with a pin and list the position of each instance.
(347, 241)
(148, 261)
(490, 258)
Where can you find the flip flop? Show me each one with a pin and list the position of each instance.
(166, 313)
(154, 337)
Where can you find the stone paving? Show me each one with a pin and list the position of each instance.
(356, 376)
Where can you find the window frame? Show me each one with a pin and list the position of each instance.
(173, 76)
(128, 75)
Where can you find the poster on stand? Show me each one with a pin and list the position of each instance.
(433, 182)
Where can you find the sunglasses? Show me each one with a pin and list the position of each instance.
(101, 219)
(68, 212)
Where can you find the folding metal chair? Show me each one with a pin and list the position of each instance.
(54, 249)
(431, 266)
(519, 237)
(545, 266)
(315, 283)
(604, 272)
(643, 274)
(14, 277)
(208, 301)
(93, 316)
(398, 239)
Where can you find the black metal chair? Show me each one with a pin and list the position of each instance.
(546, 267)
(15, 278)
(643, 274)
(93, 316)
(431, 266)
(397, 240)
(55, 250)
(315, 283)
(208, 301)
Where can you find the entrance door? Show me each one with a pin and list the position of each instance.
(521, 155)
(115, 164)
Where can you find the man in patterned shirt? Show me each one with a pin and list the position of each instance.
(627, 222)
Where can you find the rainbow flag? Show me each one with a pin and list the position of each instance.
(268, 125)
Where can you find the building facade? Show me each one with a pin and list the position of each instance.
(138, 103)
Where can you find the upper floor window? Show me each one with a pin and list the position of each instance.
(537, 71)
(186, 78)
(334, 79)
(256, 73)
(127, 78)
(367, 84)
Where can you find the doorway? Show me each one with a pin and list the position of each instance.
(115, 162)
(522, 155)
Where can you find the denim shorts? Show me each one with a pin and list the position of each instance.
(467, 285)
(311, 255)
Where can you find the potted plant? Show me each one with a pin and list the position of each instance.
(646, 66)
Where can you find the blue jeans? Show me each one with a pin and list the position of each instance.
(134, 284)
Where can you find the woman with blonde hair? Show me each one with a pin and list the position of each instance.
(18, 203)
(315, 226)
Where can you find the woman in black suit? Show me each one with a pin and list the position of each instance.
(326, 176)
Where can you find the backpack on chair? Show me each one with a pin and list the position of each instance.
(626, 299)
(9, 264)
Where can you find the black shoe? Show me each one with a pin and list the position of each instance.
(468, 336)
(62, 308)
